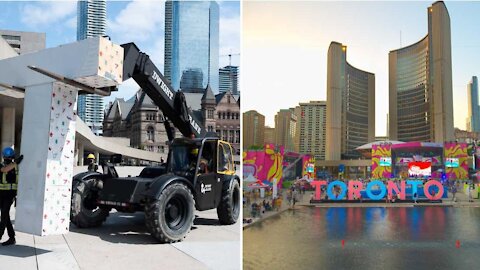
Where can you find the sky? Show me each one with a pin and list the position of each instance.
(140, 21)
(285, 44)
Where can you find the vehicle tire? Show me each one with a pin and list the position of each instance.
(84, 212)
(229, 208)
(170, 217)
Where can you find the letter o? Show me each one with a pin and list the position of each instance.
(342, 185)
(430, 183)
(382, 192)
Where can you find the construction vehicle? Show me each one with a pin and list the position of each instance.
(199, 172)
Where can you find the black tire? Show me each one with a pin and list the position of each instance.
(229, 208)
(170, 217)
(84, 213)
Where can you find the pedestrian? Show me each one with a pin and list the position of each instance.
(8, 192)
(415, 196)
(454, 192)
(470, 199)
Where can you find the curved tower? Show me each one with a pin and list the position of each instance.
(350, 106)
(420, 84)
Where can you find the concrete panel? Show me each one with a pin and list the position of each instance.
(96, 62)
(46, 173)
(36, 126)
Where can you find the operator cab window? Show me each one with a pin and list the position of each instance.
(206, 160)
(225, 158)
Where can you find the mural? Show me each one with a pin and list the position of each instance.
(308, 167)
(59, 174)
(379, 151)
(457, 150)
(265, 165)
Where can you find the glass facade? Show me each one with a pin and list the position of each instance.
(229, 79)
(91, 22)
(355, 125)
(473, 121)
(192, 41)
(413, 93)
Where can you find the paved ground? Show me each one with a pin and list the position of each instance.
(123, 243)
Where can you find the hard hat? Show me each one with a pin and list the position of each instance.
(194, 151)
(8, 152)
(91, 156)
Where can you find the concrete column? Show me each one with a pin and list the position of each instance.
(44, 191)
(81, 150)
(8, 128)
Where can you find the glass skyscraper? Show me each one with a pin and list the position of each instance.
(91, 22)
(229, 79)
(420, 84)
(192, 41)
(473, 120)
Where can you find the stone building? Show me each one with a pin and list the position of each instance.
(140, 120)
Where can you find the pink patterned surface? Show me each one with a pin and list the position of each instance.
(60, 160)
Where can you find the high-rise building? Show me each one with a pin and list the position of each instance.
(269, 135)
(285, 128)
(311, 128)
(350, 106)
(192, 41)
(91, 22)
(91, 18)
(228, 79)
(473, 120)
(253, 129)
(420, 84)
(24, 42)
(192, 81)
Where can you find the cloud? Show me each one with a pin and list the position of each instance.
(45, 13)
(72, 22)
(138, 21)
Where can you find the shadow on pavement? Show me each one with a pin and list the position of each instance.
(21, 251)
(130, 228)
(206, 221)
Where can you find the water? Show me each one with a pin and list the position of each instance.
(374, 238)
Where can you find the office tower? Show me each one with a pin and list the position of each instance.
(311, 128)
(473, 119)
(350, 106)
(253, 129)
(420, 84)
(285, 129)
(228, 79)
(24, 42)
(192, 41)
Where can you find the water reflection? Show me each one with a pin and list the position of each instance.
(375, 238)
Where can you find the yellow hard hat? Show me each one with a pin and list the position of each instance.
(92, 156)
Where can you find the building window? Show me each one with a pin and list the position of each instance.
(237, 138)
(10, 37)
(210, 114)
(225, 135)
(228, 115)
(232, 136)
(228, 99)
(150, 134)
(223, 116)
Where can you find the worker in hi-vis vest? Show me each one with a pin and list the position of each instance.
(8, 192)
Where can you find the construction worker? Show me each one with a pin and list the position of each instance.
(92, 167)
(8, 192)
